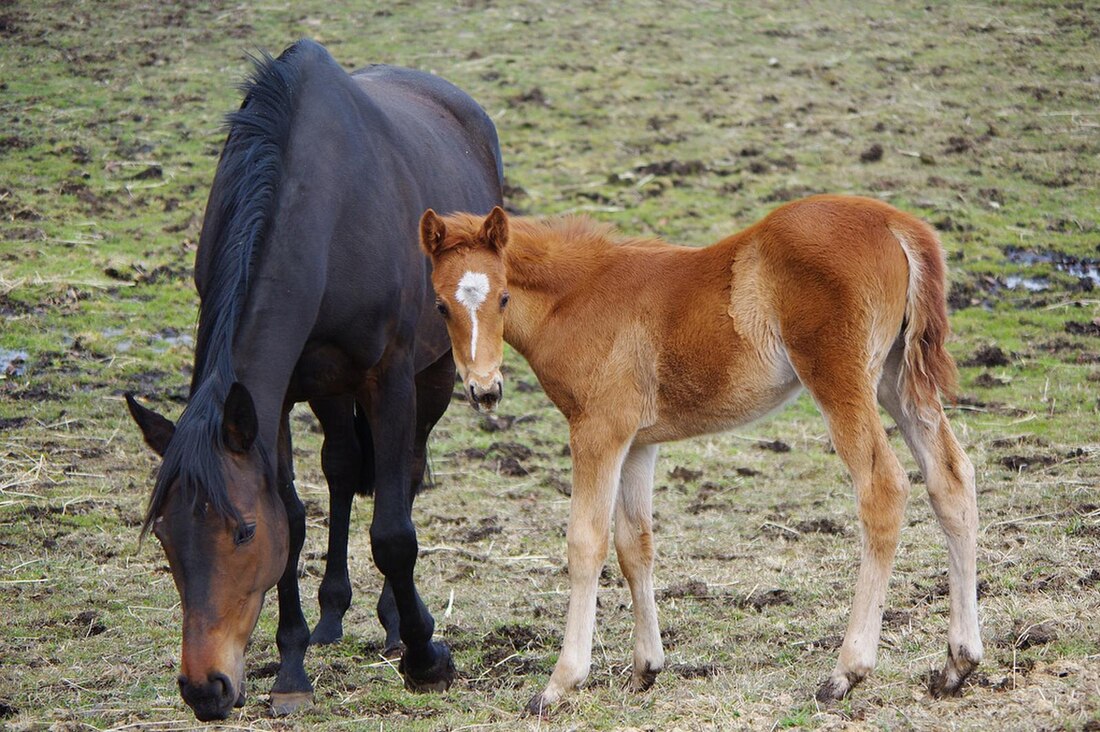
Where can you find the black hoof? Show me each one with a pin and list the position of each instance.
(835, 688)
(437, 678)
(949, 682)
(644, 679)
(538, 707)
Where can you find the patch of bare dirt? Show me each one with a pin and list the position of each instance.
(1020, 463)
(1090, 328)
(988, 356)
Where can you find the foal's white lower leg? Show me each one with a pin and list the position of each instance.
(634, 546)
(596, 468)
(882, 489)
(949, 477)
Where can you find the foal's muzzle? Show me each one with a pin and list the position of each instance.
(485, 397)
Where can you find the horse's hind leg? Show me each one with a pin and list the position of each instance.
(839, 381)
(341, 461)
(434, 386)
(634, 546)
(388, 396)
(949, 477)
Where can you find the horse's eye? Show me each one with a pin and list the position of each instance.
(504, 300)
(245, 534)
(442, 308)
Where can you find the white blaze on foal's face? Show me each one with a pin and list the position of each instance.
(473, 290)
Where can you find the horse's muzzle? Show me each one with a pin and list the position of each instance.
(211, 699)
(485, 398)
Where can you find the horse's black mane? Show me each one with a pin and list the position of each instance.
(249, 173)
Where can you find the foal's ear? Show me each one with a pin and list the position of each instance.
(432, 233)
(239, 422)
(156, 430)
(494, 231)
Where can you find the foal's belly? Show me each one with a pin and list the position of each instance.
(698, 408)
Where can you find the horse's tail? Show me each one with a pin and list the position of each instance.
(928, 370)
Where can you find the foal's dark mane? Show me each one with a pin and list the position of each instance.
(249, 173)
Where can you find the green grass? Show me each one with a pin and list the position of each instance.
(685, 120)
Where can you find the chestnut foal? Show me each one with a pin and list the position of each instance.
(639, 342)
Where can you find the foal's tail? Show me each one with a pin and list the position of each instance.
(928, 370)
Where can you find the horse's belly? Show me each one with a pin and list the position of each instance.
(324, 370)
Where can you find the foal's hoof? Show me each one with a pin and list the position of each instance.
(438, 678)
(539, 706)
(284, 703)
(642, 680)
(949, 682)
(835, 688)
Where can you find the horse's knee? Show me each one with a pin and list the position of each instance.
(394, 546)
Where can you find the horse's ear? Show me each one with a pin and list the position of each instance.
(156, 430)
(494, 231)
(432, 233)
(239, 422)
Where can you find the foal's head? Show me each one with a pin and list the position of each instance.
(471, 294)
(225, 534)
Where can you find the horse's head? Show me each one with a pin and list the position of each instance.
(218, 516)
(471, 293)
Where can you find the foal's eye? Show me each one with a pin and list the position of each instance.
(245, 534)
(504, 300)
(442, 308)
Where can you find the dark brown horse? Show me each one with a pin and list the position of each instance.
(313, 289)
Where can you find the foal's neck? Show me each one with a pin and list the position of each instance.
(546, 261)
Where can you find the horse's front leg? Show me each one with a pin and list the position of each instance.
(425, 665)
(292, 686)
(597, 463)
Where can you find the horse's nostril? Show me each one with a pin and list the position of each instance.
(182, 681)
(219, 685)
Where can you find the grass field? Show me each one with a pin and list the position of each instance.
(684, 120)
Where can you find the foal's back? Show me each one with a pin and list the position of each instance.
(825, 277)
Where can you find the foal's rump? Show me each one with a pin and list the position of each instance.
(846, 278)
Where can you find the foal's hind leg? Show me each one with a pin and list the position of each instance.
(949, 476)
(845, 392)
(634, 546)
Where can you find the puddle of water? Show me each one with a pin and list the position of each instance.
(1031, 284)
(1082, 269)
(13, 363)
(170, 337)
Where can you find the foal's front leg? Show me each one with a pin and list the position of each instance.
(597, 462)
